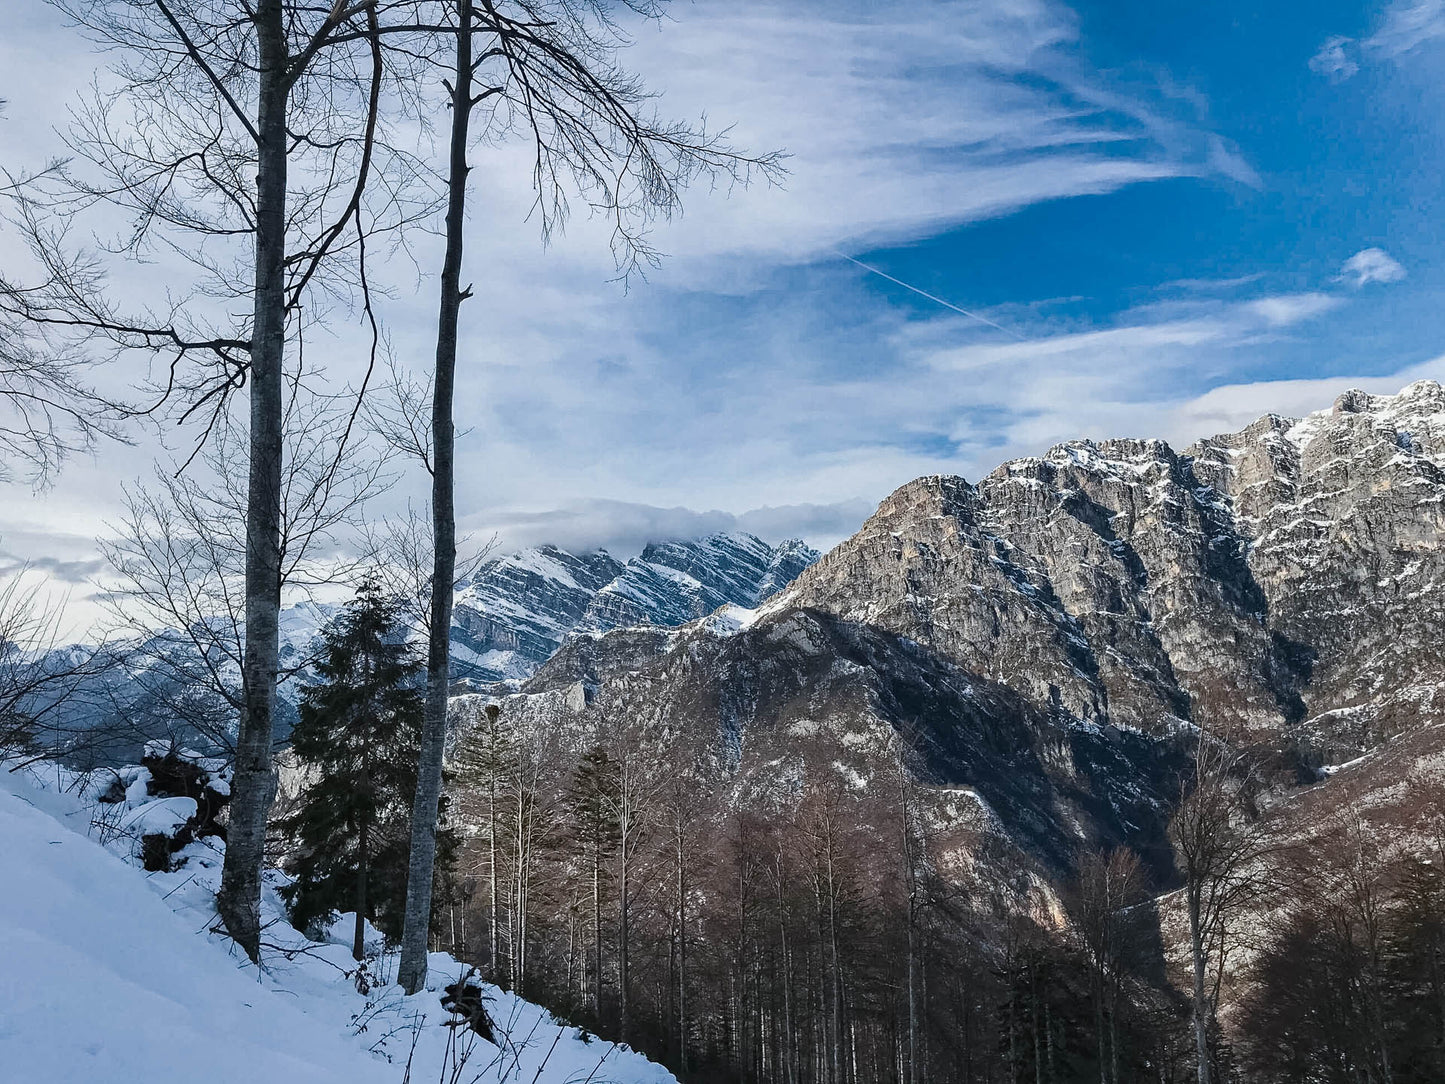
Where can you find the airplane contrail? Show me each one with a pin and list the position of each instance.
(932, 297)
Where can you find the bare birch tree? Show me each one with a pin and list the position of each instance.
(1219, 847)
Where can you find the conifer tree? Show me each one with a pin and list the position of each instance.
(356, 740)
(594, 786)
(484, 756)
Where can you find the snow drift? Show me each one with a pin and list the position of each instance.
(110, 973)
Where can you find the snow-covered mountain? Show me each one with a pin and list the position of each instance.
(510, 618)
(1044, 635)
(517, 610)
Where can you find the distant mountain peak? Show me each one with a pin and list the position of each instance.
(519, 608)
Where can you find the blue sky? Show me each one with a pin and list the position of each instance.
(1163, 206)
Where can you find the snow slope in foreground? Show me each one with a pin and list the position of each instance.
(110, 973)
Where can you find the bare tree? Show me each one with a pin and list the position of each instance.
(47, 408)
(546, 69)
(1219, 848)
(38, 677)
(180, 552)
(1106, 910)
(241, 139)
(398, 414)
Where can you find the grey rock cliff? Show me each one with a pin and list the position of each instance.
(1283, 580)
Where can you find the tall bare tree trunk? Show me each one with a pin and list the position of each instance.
(681, 950)
(623, 935)
(492, 951)
(597, 921)
(1201, 993)
(839, 1070)
(253, 785)
(412, 971)
(910, 881)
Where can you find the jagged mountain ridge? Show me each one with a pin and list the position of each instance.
(1040, 638)
(517, 610)
(509, 618)
(1284, 579)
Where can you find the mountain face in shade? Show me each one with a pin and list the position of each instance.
(518, 609)
(1042, 638)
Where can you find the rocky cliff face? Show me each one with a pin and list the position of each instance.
(1034, 640)
(1284, 580)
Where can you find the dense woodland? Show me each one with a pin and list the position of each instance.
(816, 941)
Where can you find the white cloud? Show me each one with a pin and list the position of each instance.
(1404, 27)
(624, 527)
(1407, 25)
(1336, 59)
(743, 373)
(1285, 310)
(1371, 265)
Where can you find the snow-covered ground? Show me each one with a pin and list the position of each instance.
(109, 973)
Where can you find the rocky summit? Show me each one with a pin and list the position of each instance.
(1284, 579)
(1035, 638)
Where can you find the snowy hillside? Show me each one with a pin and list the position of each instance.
(111, 973)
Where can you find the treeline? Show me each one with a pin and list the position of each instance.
(815, 935)
(1348, 986)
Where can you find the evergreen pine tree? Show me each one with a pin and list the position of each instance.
(594, 784)
(485, 757)
(356, 740)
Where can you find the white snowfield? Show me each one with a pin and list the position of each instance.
(108, 973)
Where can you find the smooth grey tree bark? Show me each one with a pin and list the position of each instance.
(417, 920)
(207, 100)
(253, 785)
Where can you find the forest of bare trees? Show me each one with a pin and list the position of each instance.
(814, 939)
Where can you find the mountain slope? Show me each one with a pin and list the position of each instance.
(509, 619)
(1283, 579)
(517, 610)
(1040, 637)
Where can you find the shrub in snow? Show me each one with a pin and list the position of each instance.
(160, 806)
(467, 1003)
